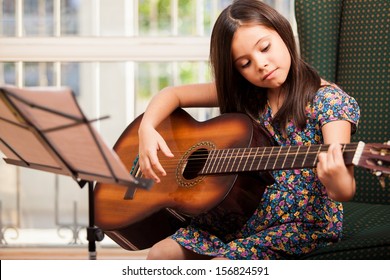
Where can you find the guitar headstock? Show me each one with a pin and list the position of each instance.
(376, 157)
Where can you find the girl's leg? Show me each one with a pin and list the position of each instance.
(169, 249)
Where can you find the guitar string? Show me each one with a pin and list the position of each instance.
(201, 157)
(254, 161)
(243, 156)
(250, 153)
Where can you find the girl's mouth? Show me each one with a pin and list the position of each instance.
(269, 74)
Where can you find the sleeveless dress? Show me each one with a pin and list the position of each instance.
(295, 215)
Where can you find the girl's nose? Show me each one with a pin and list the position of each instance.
(261, 62)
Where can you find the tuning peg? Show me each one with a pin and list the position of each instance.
(382, 182)
(379, 174)
(381, 177)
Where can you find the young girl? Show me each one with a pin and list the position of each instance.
(257, 71)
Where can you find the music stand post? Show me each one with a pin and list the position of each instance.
(45, 129)
(93, 233)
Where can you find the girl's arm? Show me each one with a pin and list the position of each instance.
(337, 178)
(159, 108)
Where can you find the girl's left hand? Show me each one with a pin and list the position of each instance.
(335, 175)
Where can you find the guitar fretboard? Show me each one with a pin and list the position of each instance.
(269, 158)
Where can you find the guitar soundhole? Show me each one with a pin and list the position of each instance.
(192, 161)
(195, 163)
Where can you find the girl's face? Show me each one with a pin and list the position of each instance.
(261, 56)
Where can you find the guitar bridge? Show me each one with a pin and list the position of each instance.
(140, 183)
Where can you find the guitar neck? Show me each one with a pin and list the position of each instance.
(271, 158)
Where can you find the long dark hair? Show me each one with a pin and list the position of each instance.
(235, 93)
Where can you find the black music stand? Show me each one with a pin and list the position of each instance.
(45, 129)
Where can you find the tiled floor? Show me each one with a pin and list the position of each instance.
(40, 244)
(68, 253)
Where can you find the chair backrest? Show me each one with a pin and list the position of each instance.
(348, 43)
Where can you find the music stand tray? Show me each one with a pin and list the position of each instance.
(44, 128)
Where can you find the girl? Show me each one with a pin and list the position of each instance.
(257, 71)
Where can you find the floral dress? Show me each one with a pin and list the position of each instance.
(295, 215)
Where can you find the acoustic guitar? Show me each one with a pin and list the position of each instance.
(220, 169)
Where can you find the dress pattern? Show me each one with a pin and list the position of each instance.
(295, 215)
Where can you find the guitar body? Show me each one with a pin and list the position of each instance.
(152, 215)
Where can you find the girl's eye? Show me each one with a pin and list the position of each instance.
(266, 48)
(245, 65)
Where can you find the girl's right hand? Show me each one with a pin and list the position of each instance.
(159, 108)
(150, 142)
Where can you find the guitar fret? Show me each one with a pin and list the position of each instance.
(253, 159)
(237, 159)
(261, 159)
(214, 167)
(316, 157)
(229, 158)
(223, 160)
(285, 158)
(241, 157)
(295, 157)
(209, 161)
(266, 164)
(304, 159)
(247, 156)
(218, 161)
(234, 159)
(277, 157)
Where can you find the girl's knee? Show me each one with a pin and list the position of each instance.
(169, 249)
(154, 254)
(166, 249)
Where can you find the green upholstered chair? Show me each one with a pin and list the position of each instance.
(347, 41)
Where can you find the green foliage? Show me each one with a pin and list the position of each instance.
(155, 19)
